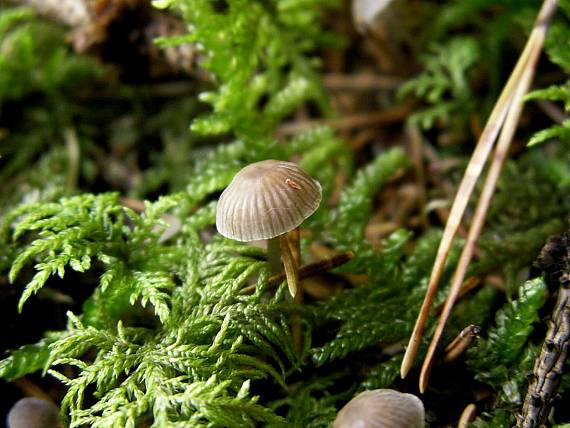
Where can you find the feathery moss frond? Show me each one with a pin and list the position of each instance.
(310, 404)
(257, 52)
(164, 334)
(443, 84)
(381, 312)
(75, 231)
(494, 358)
(349, 219)
(69, 233)
(29, 358)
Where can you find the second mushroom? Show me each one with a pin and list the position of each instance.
(269, 200)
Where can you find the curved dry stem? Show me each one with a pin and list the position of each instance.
(508, 102)
(484, 203)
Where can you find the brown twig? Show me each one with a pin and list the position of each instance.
(549, 366)
(468, 285)
(552, 111)
(307, 271)
(417, 155)
(361, 81)
(506, 111)
(505, 139)
(460, 344)
(358, 120)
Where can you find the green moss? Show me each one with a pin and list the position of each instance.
(162, 332)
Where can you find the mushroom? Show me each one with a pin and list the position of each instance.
(32, 412)
(267, 200)
(381, 408)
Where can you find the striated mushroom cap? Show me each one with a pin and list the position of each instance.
(266, 199)
(33, 412)
(381, 408)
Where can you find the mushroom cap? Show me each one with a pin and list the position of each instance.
(33, 412)
(381, 408)
(266, 199)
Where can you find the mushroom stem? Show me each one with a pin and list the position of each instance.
(290, 265)
(274, 255)
(291, 255)
(294, 240)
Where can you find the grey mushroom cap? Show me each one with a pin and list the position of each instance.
(381, 408)
(266, 199)
(33, 412)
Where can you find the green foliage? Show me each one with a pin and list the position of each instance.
(74, 231)
(533, 190)
(211, 345)
(383, 375)
(467, 41)
(444, 83)
(39, 80)
(556, 47)
(310, 404)
(558, 132)
(349, 219)
(186, 374)
(34, 58)
(503, 359)
(257, 52)
(355, 205)
(29, 358)
(367, 316)
(167, 331)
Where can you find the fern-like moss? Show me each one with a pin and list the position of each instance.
(504, 358)
(164, 333)
(258, 54)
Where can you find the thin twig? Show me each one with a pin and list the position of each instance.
(307, 271)
(519, 79)
(417, 155)
(358, 120)
(460, 344)
(552, 111)
(361, 81)
(483, 205)
(549, 366)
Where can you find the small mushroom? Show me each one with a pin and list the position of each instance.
(31, 412)
(381, 408)
(266, 200)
